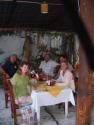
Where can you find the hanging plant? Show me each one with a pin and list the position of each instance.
(48, 33)
(42, 48)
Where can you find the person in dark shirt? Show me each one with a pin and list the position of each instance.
(10, 67)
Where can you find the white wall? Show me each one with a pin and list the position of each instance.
(11, 45)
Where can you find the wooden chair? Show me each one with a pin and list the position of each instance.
(13, 106)
(15, 110)
(6, 89)
(9, 95)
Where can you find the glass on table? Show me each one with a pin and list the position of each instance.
(48, 82)
(53, 82)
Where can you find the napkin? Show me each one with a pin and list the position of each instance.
(53, 90)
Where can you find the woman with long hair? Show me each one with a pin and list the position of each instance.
(21, 84)
(66, 76)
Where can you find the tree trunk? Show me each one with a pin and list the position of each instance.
(27, 49)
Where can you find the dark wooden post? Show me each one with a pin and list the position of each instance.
(84, 94)
(85, 85)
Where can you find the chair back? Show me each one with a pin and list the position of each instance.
(5, 82)
(13, 105)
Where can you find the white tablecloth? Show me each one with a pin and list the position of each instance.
(43, 98)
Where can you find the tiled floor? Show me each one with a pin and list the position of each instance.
(49, 116)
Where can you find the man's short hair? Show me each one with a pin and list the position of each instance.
(47, 53)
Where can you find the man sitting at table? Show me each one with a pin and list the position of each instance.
(66, 76)
(10, 66)
(47, 66)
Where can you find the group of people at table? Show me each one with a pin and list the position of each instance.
(21, 75)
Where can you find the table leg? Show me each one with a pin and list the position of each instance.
(38, 116)
(66, 109)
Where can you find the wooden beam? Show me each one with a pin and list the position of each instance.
(85, 86)
(84, 93)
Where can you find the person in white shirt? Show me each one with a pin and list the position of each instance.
(66, 76)
(48, 64)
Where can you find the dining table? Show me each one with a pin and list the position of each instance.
(51, 95)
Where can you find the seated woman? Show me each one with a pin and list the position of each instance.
(65, 76)
(21, 84)
(61, 59)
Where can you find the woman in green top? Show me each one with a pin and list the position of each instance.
(21, 83)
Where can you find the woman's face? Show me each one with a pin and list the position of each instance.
(24, 69)
(64, 66)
